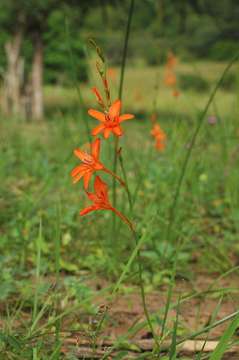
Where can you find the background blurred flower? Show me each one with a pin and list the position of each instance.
(212, 120)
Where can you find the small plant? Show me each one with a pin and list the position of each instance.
(110, 119)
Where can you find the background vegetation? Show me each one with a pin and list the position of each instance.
(59, 268)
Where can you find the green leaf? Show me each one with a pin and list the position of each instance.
(223, 343)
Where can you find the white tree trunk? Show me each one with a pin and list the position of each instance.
(14, 75)
(37, 82)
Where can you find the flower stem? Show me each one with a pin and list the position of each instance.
(172, 212)
(123, 63)
(126, 183)
(124, 219)
(74, 71)
(114, 176)
(146, 313)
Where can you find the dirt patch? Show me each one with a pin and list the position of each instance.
(205, 301)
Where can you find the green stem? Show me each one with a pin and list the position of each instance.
(188, 155)
(130, 200)
(179, 185)
(123, 63)
(126, 41)
(209, 327)
(116, 177)
(192, 336)
(123, 218)
(74, 70)
(143, 297)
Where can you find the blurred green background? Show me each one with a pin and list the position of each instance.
(45, 42)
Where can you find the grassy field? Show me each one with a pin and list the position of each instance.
(59, 268)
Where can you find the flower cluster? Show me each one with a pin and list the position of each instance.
(110, 119)
(158, 134)
(170, 79)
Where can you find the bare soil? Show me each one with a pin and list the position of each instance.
(209, 295)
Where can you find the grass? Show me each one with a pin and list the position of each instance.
(140, 92)
(50, 269)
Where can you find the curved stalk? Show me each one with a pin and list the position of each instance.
(125, 49)
(114, 176)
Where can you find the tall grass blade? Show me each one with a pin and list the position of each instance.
(173, 347)
(223, 343)
(38, 267)
(193, 141)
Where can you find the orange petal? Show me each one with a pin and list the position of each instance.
(117, 131)
(107, 133)
(92, 197)
(160, 145)
(87, 177)
(78, 169)
(87, 210)
(82, 155)
(78, 177)
(97, 114)
(97, 94)
(95, 149)
(115, 109)
(125, 117)
(101, 189)
(97, 129)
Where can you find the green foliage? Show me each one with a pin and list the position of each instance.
(223, 50)
(61, 47)
(230, 82)
(193, 82)
(225, 339)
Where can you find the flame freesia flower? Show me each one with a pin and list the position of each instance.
(101, 201)
(159, 136)
(171, 60)
(111, 73)
(170, 79)
(91, 164)
(110, 120)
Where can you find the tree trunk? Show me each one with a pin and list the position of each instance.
(14, 75)
(37, 74)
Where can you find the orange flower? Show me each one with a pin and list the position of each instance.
(101, 201)
(99, 198)
(159, 136)
(111, 73)
(170, 79)
(110, 121)
(171, 60)
(176, 93)
(90, 165)
(98, 97)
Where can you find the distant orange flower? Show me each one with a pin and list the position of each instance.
(176, 93)
(170, 79)
(171, 60)
(101, 201)
(90, 165)
(111, 73)
(110, 121)
(159, 136)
